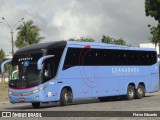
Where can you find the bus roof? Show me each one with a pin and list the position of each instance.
(48, 45)
(41, 46)
(104, 46)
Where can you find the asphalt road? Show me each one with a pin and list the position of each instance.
(151, 102)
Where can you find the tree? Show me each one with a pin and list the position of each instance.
(87, 39)
(72, 39)
(2, 55)
(107, 39)
(82, 39)
(120, 42)
(152, 8)
(28, 34)
(155, 33)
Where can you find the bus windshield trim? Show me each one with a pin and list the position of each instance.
(40, 61)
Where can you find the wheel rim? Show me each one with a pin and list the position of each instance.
(140, 91)
(66, 97)
(131, 93)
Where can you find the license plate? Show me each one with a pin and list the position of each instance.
(21, 99)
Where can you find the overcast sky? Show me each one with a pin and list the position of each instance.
(64, 19)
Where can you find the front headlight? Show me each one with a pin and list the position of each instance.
(37, 90)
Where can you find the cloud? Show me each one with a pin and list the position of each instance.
(61, 19)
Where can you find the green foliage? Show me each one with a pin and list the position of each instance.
(87, 39)
(82, 39)
(107, 39)
(2, 55)
(72, 39)
(120, 42)
(155, 31)
(152, 8)
(28, 34)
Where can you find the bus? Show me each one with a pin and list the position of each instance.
(63, 71)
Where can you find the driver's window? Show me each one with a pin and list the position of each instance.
(48, 71)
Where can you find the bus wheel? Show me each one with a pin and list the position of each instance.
(36, 104)
(66, 97)
(70, 97)
(140, 92)
(130, 92)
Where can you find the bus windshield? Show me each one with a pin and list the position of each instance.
(24, 74)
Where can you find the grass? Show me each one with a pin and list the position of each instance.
(3, 92)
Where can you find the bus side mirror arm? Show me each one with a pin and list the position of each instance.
(40, 61)
(2, 65)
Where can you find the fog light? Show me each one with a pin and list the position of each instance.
(37, 97)
(9, 92)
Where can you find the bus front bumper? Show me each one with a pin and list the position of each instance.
(32, 95)
(31, 98)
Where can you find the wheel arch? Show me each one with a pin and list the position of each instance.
(133, 84)
(63, 87)
(143, 84)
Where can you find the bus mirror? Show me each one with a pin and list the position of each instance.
(40, 61)
(2, 65)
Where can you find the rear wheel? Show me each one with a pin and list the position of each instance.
(130, 92)
(65, 97)
(36, 104)
(140, 92)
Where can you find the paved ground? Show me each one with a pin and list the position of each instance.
(149, 103)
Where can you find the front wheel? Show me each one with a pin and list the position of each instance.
(140, 92)
(36, 104)
(66, 97)
(130, 92)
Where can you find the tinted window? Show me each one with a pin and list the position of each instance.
(56, 59)
(48, 69)
(108, 57)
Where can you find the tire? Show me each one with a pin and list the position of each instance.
(65, 97)
(130, 93)
(140, 92)
(36, 104)
(70, 98)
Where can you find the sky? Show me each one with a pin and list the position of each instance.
(65, 19)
